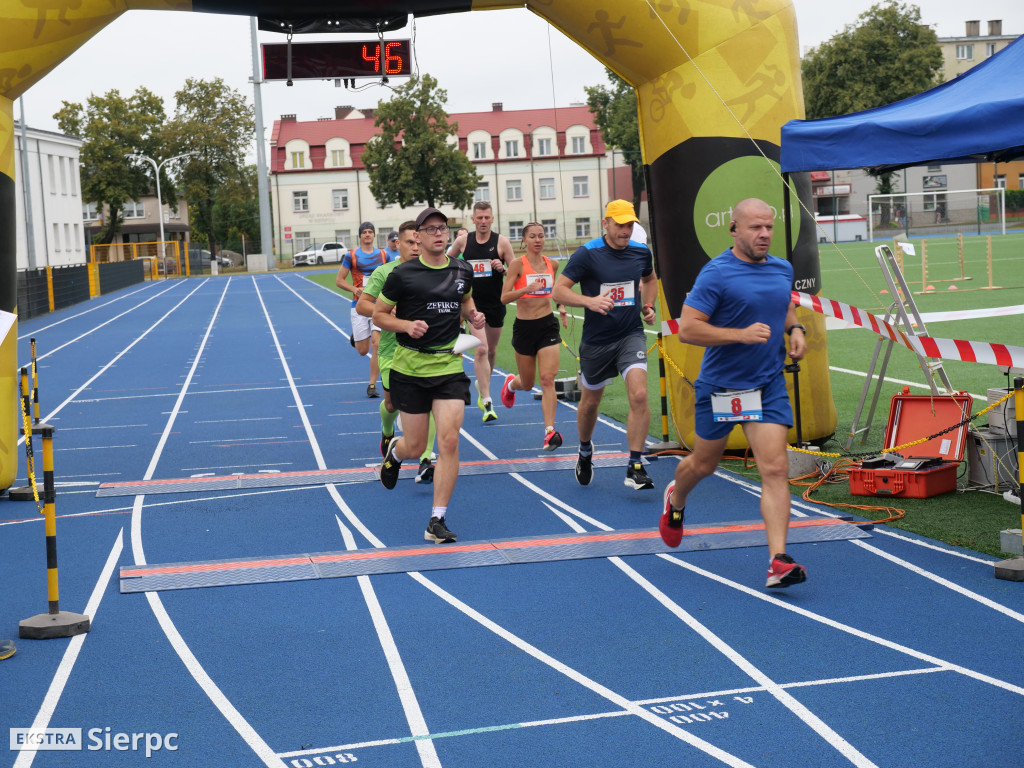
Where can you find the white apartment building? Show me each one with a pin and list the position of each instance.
(547, 165)
(55, 199)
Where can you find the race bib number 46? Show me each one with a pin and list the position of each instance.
(736, 405)
(621, 293)
(481, 267)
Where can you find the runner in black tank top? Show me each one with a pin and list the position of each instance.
(489, 259)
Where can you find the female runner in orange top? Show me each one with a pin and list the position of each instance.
(535, 333)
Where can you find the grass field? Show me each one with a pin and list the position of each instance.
(850, 273)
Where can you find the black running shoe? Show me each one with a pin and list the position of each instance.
(385, 441)
(637, 478)
(390, 468)
(426, 472)
(584, 469)
(438, 532)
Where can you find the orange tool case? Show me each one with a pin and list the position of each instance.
(912, 417)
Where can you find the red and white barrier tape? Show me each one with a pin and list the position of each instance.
(1002, 355)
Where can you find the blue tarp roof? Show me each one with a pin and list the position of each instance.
(976, 117)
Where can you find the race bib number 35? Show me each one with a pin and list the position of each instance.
(736, 405)
(621, 293)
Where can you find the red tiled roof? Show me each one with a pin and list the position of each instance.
(357, 131)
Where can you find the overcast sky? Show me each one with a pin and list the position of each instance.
(479, 58)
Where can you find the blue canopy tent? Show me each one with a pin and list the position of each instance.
(977, 117)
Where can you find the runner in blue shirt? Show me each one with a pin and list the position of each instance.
(617, 291)
(740, 307)
(359, 263)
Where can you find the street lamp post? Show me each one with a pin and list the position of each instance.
(159, 199)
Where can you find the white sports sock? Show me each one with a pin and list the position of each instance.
(439, 512)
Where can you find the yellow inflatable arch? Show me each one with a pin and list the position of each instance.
(715, 83)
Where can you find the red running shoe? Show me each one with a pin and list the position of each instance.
(508, 397)
(670, 525)
(784, 571)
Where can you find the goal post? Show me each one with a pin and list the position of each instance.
(937, 212)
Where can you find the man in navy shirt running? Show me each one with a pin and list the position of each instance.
(617, 290)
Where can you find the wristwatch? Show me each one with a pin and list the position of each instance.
(795, 325)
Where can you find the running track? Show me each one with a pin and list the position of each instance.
(897, 652)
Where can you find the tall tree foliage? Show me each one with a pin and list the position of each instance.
(615, 114)
(888, 55)
(111, 126)
(236, 213)
(411, 160)
(217, 122)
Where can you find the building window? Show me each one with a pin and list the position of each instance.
(342, 236)
(582, 227)
(53, 178)
(513, 190)
(990, 50)
(579, 145)
(301, 241)
(62, 161)
(512, 148)
(550, 230)
(580, 186)
(515, 231)
(90, 212)
(339, 199)
(1020, 181)
(298, 159)
(965, 53)
(337, 157)
(56, 237)
(1000, 181)
(133, 209)
(479, 150)
(300, 201)
(547, 189)
(483, 192)
(78, 238)
(544, 146)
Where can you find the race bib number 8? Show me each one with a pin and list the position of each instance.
(736, 405)
(481, 267)
(621, 293)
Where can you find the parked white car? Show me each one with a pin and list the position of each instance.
(325, 253)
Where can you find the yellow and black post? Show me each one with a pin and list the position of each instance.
(1013, 569)
(55, 622)
(665, 444)
(35, 382)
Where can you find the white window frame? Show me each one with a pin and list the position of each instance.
(337, 158)
(583, 227)
(512, 148)
(513, 187)
(298, 159)
(479, 150)
(339, 198)
(483, 192)
(550, 228)
(965, 52)
(515, 231)
(581, 186)
(133, 209)
(544, 147)
(301, 240)
(579, 145)
(546, 187)
(300, 202)
(90, 212)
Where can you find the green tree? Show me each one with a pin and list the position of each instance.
(236, 212)
(887, 56)
(217, 123)
(410, 160)
(111, 126)
(615, 114)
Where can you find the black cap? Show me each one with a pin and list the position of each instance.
(426, 214)
(367, 225)
(392, 236)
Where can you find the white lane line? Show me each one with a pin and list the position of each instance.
(941, 581)
(406, 694)
(116, 357)
(67, 662)
(620, 701)
(37, 331)
(199, 674)
(904, 382)
(55, 350)
(929, 545)
(928, 658)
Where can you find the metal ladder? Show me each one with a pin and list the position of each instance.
(899, 315)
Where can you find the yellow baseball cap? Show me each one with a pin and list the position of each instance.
(621, 211)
